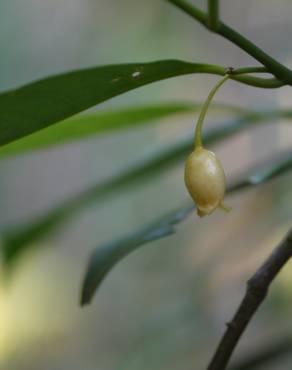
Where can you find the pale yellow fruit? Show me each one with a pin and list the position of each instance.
(205, 180)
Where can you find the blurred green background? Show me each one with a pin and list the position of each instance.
(165, 306)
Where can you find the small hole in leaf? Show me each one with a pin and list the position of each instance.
(136, 74)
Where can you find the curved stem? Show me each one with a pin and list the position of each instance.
(264, 83)
(213, 14)
(198, 131)
(277, 69)
(244, 70)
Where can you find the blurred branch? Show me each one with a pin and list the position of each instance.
(213, 14)
(277, 69)
(265, 355)
(257, 289)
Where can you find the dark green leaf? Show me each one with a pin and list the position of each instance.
(35, 106)
(40, 104)
(105, 257)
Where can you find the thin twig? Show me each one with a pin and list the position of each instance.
(257, 289)
(277, 69)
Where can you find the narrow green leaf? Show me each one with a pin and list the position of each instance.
(86, 125)
(40, 104)
(105, 257)
(19, 238)
(35, 106)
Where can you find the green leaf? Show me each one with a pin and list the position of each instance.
(105, 257)
(40, 104)
(86, 125)
(35, 106)
(19, 238)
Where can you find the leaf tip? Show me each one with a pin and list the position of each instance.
(87, 292)
(84, 300)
